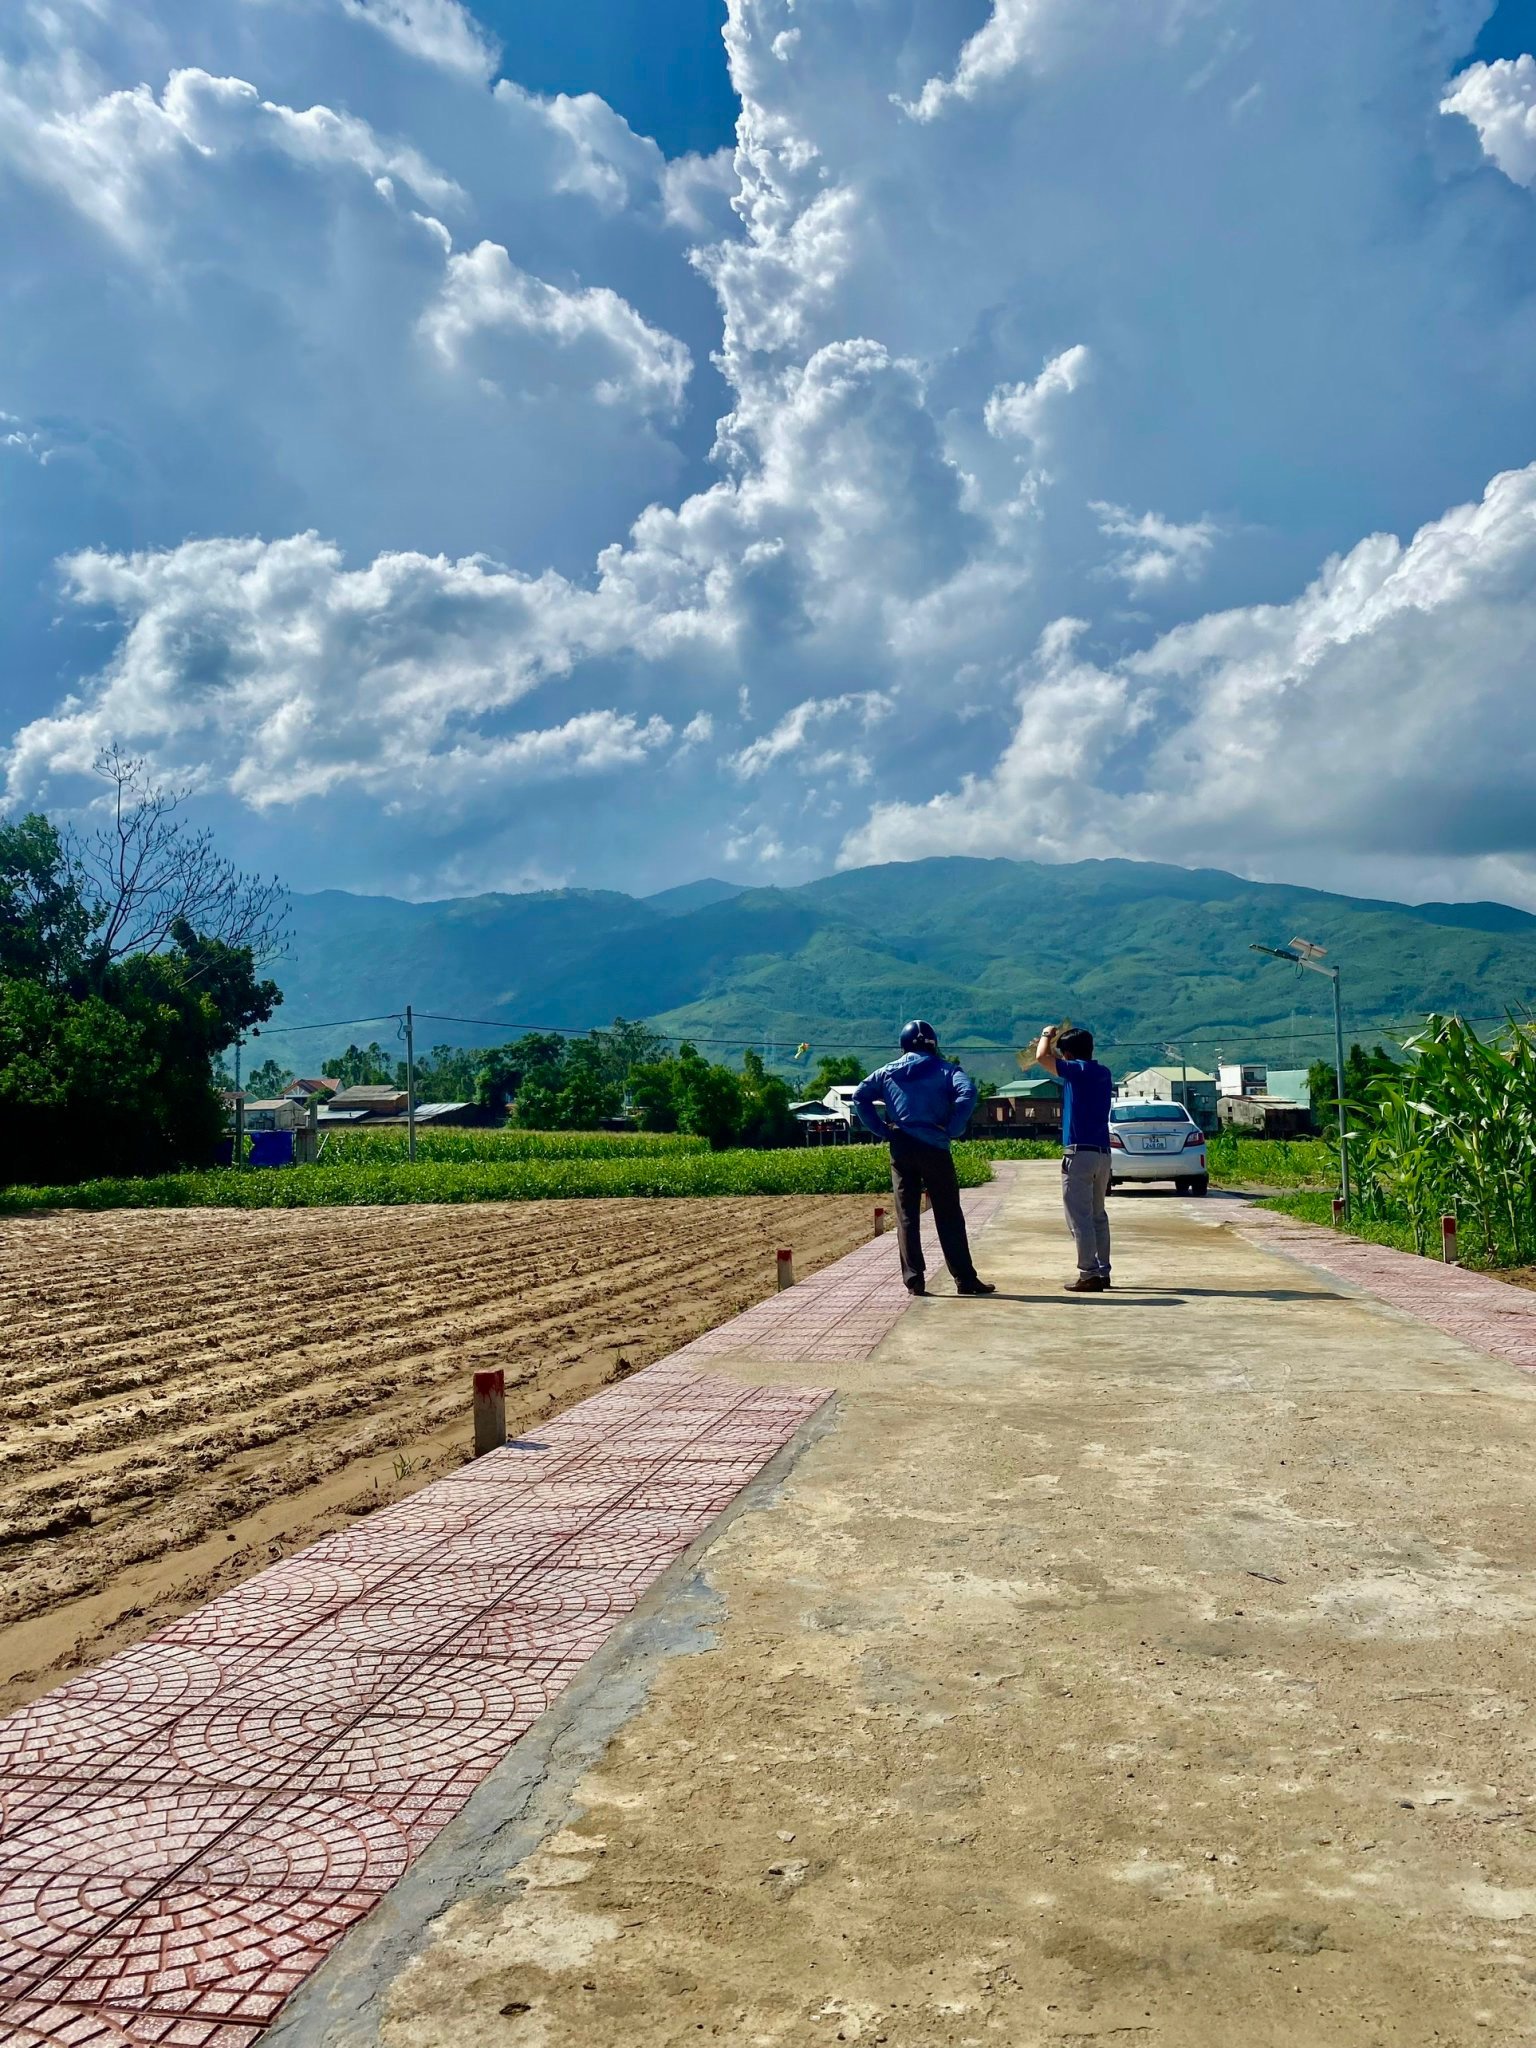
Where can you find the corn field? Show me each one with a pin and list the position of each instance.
(1454, 1131)
(814, 1170)
(499, 1147)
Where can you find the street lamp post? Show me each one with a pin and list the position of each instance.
(1302, 953)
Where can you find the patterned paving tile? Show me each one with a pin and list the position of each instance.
(186, 1832)
(214, 1954)
(46, 1917)
(1490, 1315)
(140, 1835)
(36, 2023)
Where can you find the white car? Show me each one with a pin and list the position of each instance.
(1157, 1141)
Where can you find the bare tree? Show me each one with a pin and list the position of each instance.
(150, 871)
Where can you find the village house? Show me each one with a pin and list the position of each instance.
(1190, 1086)
(1021, 1109)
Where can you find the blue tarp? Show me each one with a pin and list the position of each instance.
(271, 1148)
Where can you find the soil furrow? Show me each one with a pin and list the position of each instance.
(172, 1383)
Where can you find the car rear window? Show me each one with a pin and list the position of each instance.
(1149, 1113)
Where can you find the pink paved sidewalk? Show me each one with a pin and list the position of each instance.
(187, 1831)
(1490, 1315)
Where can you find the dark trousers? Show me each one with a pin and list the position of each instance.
(918, 1170)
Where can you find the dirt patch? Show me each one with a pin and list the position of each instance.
(187, 1396)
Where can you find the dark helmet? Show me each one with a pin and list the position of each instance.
(919, 1037)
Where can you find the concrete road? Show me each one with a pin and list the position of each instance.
(1151, 1668)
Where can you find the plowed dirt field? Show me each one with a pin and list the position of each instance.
(186, 1396)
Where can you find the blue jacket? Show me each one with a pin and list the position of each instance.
(925, 1098)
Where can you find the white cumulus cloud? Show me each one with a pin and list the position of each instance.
(1383, 712)
(795, 728)
(1499, 99)
(1158, 551)
(438, 31)
(1007, 41)
(1019, 411)
(622, 358)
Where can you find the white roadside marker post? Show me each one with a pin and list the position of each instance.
(490, 1412)
(786, 1261)
(1338, 1208)
(879, 1223)
(1448, 1240)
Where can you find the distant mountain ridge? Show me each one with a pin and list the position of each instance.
(989, 949)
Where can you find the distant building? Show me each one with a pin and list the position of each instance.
(1020, 1109)
(839, 1102)
(1242, 1077)
(1190, 1086)
(1263, 1116)
(370, 1101)
(1288, 1084)
(302, 1089)
(277, 1114)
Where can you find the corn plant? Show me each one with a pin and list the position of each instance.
(1454, 1128)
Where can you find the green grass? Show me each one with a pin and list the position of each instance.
(814, 1170)
(381, 1148)
(1272, 1162)
(1011, 1148)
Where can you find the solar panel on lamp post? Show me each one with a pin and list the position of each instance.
(1302, 953)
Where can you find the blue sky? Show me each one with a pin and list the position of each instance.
(662, 66)
(438, 438)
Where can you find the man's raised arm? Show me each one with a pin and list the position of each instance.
(1045, 1049)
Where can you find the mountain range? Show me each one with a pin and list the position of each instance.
(1148, 955)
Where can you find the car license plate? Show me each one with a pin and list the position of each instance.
(1157, 1144)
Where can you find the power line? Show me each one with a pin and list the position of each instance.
(272, 1029)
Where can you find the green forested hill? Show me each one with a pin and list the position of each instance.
(989, 949)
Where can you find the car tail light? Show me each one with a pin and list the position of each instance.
(1116, 1142)
(1194, 1138)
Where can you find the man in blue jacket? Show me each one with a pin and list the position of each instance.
(927, 1103)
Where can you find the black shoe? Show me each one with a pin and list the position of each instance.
(975, 1287)
(916, 1287)
(1086, 1283)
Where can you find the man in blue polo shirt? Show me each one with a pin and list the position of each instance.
(1086, 1091)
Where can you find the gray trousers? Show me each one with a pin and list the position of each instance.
(1084, 1185)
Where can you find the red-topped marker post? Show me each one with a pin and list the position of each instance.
(490, 1412)
(1448, 1240)
(786, 1270)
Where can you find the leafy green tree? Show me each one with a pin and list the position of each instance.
(267, 1080)
(118, 1079)
(46, 920)
(107, 1054)
(766, 1118)
(361, 1066)
(843, 1070)
(709, 1098)
(1362, 1070)
(448, 1073)
(536, 1056)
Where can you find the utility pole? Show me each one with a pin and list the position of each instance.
(410, 1084)
(1302, 953)
(237, 1156)
(1338, 1052)
(1175, 1052)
